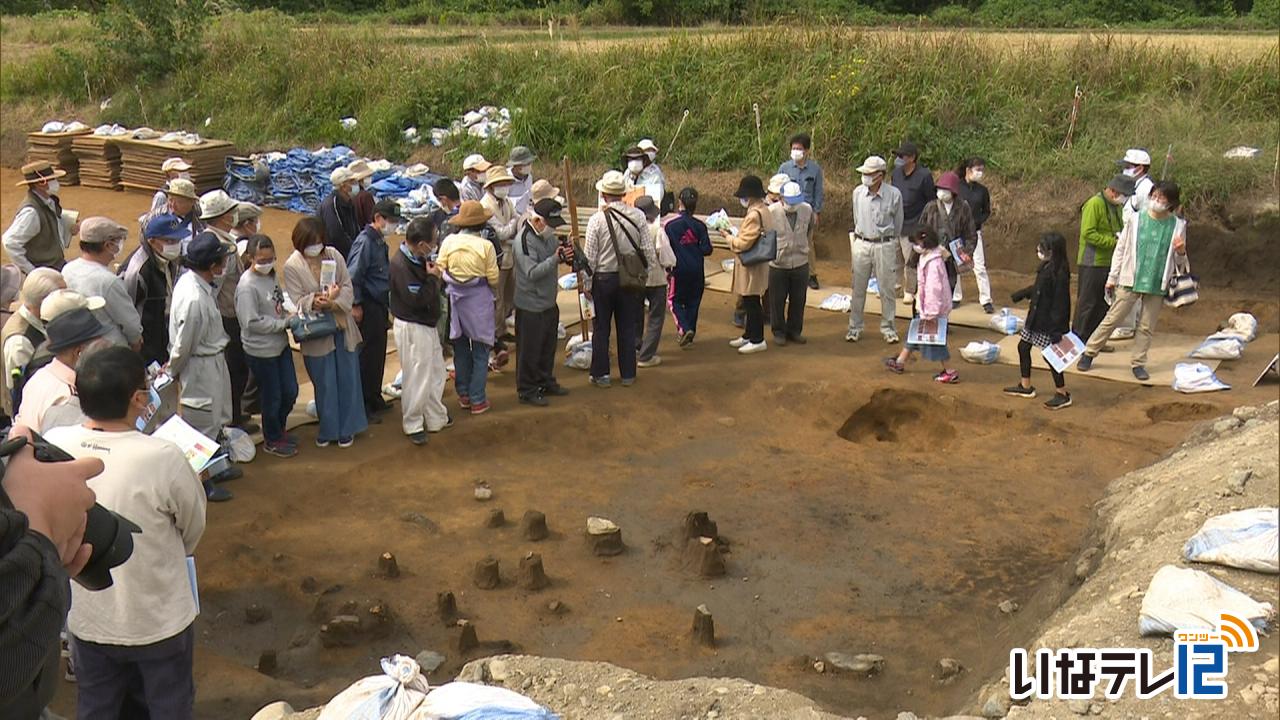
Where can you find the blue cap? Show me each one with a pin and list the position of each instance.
(206, 249)
(167, 226)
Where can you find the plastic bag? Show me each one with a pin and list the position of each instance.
(1247, 539)
(311, 409)
(719, 220)
(568, 281)
(1006, 322)
(727, 265)
(1219, 347)
(396, 694)
(836, 302)
(1241, 325)
(1187, 599)
(579, 358)
(981, 352)
(456, 699)
(1196, 378)
(239, 445)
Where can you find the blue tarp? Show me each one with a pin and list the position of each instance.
(300, 180)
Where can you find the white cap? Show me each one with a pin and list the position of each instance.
(1136, 156)
(476, 161)
(776, 182)
(340, 176)
(872, 165)
(791, 193)
(174, 163)
(216, 203)
(647, 145)
(61, 301)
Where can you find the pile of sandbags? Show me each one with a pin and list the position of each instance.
(487, 122)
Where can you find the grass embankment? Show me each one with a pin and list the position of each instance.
(267, 81)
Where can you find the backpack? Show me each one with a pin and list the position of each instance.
(633, 267)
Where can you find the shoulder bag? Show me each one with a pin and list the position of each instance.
(313, 326)
(633, 267)
(765, 250)
(1184, 288)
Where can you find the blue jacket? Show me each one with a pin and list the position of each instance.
(369, 268)
(690, 242)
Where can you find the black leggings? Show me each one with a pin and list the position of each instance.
(753, 328)
(1024, 363)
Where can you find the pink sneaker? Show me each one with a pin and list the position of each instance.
(947, 377)
(480, 408)
(464, 402)
(893, 366)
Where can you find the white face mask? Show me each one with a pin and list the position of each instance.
(354, 189)
(653, 155)
(944, 196)
(54, 187)
(184, 175)
(170, 251)
(744, 202)
(635, 166)
(264, 268)
(312, 250)
(520, 171)
(1042, 254)
(790, 209)
(797, 155)
(868, 180)
(1160, 207)
(501, 192)
(1131, 171)
(1120, 200)
(976, 175)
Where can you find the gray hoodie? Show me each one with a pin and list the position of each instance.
(261, 314)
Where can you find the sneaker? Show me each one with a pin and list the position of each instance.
(214, 493)
(464, 402)
(893, 366)
(752, 348)
(738, 342)
(891, 338)
(908, 298)
(798, 339)
(947, 377)
(248, 425)
(1085, 363)
(480, 408)
(955, 304)
(1058, 401)
(418, 438)
(323, 443)
(813, 282)
(988, 308)
(628, 382)
(346, 442)
(603, 382)
(448, 423)
(1141, 373)
(555, 390)
(535, 398)
(780, 340)
(280, 449)
(1122, 334)
(1019, 391)
(231, 473)
(654, 361)
(686, 339)
(853, 336)
(291, 439)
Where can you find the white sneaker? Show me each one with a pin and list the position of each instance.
(1122, 333)
(891, 338)
(654, 361)
(853, 336)
(751, 348)
(737, 342)
(908, 298)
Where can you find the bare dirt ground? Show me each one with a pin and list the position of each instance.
(902, 546)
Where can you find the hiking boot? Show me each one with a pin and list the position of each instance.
(213, 493)
(346, 442)
(738, 342)
(654, 361)
(603, 382)
(1141, 373)
(1058, 401)
(893, 366)
(853, 336)
(752, 348)
(988, 308)
(813, 282)
(1085, 363)
(536, 399)
(1019, 391)
(280, 449)
(418, 438)
(947, 377)
(480, 408)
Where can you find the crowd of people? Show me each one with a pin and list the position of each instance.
(208, 299)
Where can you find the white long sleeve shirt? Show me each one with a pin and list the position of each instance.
(195, 325)
(25, 225)
(119, 313)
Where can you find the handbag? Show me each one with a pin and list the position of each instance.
(765, 250)
(633, 268)
(1184, 288)
(313, 326)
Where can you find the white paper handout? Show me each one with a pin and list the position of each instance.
(191, 577)
(198, 449)
(1066, 351)
(957, 252)
(927, 332)
(328, 273)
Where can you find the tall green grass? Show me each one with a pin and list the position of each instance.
(267, 82)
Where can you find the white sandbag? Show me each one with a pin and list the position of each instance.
(1219, 347)
(1196, 378)
(455, 699)
(568, 281)
(579, 358)
(239, 445)
(981, 352)
(1187, 599)
(396, 694)
(1241, 325)
(348, 123)
(1006, 322)
(727, 265)
(572, 343)
(836, 302)
(561, 332)
(1246, 539)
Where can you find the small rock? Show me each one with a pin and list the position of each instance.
(1226, 424)
(997, 705)
(309, 585)
(600, 526)
(905, 715)
(340, 631)
(556, 607)
(819, 666)
(255, 613)
(862, 664)
(277, 710)
(418, 518)
(948, 668)
(727, 421)
(483, 492)
(604, 690)
(1271, 667)
(429, 661)
(1008, 607)
(1079, 707)
(498, 670)
(1237, 481)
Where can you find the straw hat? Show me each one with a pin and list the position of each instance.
(612, 183)
(359, 170)
(38, 172)
(543, 190)
(175, 163)
(497, 174)
(470, 214)
(776, 182)
(181, 187)
(872, 165)
(340, 176)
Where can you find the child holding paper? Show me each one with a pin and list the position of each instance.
(933, 303)
(1048, 317)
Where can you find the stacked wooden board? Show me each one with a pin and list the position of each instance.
(56, 149)
(99, 157)
(140, 162)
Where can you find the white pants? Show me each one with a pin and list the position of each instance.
(205, 395)
(422, 362)
(880, 259)
(979, 274)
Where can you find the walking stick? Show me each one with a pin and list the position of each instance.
(759, 148)
(573, 240)
(683, 117)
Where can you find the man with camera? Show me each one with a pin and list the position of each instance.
(133, 642)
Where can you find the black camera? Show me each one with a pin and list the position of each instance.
(110, 534)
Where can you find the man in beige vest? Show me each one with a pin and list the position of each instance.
(40, 231)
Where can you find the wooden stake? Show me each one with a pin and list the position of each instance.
(532, 575)
(387, 566)
(467, 640)
(573, 239)
(447, 607)
(704, 627)
(533, 526)
(486, 576)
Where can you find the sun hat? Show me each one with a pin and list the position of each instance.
(543, 190)
(61, 301)
(207, 249)
(174, 163)
(907, 149)
(948, 181)
(776, 182)
(388, 208)
(216, 203)
(73, 327)
(470, 214)
(38, 172)
(339, 177)
(612, 183)
(1135, 156)
(792, 194)
(358, 170)
(100, 230)
(1122, 184)
(521, 155)
(549, 210)
(497, 174)
(476, 161)
(872, 165)
(647, 145)
(750, 188)
(247, 211)
(181, 187)
(634, 151)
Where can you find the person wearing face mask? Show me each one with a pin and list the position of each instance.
(263, 325)
(1048, 317)
(789, 272)
(933, 302)
(807, 173)
(338, 211)
(1100, 225)
(331, 361)
(173, 169)
(750, 282)
(656, 180)
(48, 395)
(40, 231)
(474, 168)
(520, 166)
(198, 347)
(915, 183)
(371, 286)
(148, 275)
(971, 172)
(181, 201)
(416, 283)
(653, 309)
(1148, 247)
(538, 258)
(642, 174)
(877, 225)
(448, 199)
(950, 217)
(24, 332)
(218, 211)
(248, 221)
(362, 191)
(1135, 164)
(504, 222)
(90, 274)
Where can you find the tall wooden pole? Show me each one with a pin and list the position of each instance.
(573, 239)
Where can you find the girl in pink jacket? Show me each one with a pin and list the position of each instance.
(933, 302)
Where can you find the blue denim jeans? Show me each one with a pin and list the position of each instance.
(277, 391)
(339, 401)
(470, 368)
